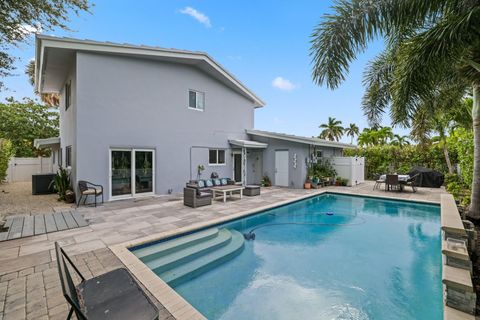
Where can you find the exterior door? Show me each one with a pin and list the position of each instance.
(237, 167)
(132, 172)
(281, 168)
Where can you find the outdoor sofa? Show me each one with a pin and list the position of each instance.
(198, 193)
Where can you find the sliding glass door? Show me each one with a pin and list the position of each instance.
(132, 172)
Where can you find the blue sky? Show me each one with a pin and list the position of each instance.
(265, 44)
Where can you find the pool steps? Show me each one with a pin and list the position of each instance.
(169, 261)
(181, 259)
(152, 252)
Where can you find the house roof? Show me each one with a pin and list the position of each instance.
(46, 143)
(299, 139)
(54, 55)
(248, 144)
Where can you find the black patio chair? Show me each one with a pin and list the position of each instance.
(89, 189)
(412, 182)
(112, 295)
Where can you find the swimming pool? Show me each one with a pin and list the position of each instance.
(327, 257)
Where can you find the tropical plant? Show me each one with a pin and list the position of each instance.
(332, 130)
(432, 46)
(352, 131)
(19, 19)
(399, 140)
(266, 182)
(6, 152)
(61, 183)
(23, 122)
(50, 99)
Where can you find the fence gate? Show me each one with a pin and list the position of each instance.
(21, 169)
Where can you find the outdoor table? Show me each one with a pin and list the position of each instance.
(224, 190)
(401, 177)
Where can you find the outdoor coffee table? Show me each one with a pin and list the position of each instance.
(224, 190)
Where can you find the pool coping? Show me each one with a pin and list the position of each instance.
(176, 304)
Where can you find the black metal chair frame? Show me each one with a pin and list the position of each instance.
(83, 186)
(68, 287)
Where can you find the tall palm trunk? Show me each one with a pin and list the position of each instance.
(447, 158)
(474, 211)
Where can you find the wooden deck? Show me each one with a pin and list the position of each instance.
(26, 226)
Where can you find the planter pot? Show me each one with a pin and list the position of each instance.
(69, 196)
(307, 185)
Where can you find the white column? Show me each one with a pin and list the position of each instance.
(244, 166)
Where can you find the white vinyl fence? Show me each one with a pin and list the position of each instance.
(351, 168)
(21, 169)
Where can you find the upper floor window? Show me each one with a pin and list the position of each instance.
(68, 156)
(196, 100)
(68, 94)
(216, 157)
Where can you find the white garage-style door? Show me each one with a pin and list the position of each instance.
(281, 168)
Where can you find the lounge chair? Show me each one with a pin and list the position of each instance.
(89, 189)
(378, 183)
(412, 182)
(112, 295)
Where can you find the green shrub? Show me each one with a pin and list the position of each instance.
(6, 152)
(61, 183)
(461, 140)
(384, 159)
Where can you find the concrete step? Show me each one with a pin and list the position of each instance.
(205, 262)
(194, 251)
(155, 251)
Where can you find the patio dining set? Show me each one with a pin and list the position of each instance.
(396, 182)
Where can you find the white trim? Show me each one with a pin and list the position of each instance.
(299, 139)
(43, 41)
(133, 194)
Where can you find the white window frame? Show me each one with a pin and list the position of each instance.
(217, 164)
(133, 194)
(196, 99)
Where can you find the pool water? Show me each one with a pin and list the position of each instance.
(329, 257)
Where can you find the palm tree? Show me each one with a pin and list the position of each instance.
(399, 141)
(352, 131)
(50, 99)
(432, 46)
(332, 130)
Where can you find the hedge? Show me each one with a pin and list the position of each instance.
(6, 152)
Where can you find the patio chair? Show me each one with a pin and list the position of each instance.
(412, 182)
(194, 198)
(378, 183)
(112, 295)
(391, 182)
(89, 189)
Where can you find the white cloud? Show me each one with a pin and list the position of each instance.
(197, 15)
(283, 84)
(27, 29)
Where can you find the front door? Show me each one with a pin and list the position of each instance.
(237, 167)
(281, 168)
(132, 172)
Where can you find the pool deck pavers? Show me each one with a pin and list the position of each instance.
(29, 282)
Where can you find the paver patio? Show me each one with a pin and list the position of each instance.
(29, 283)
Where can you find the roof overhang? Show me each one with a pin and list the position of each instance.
(46, 143)
(248, 144)
(299, 139)
(54, 57)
